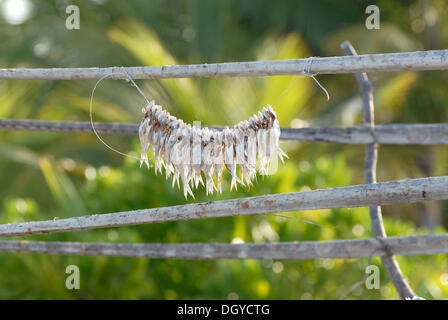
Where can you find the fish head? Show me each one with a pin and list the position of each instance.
(272, 112)
(149, 106)
(253, 122)
(266, 114)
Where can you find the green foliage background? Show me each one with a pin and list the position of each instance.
(59, 175)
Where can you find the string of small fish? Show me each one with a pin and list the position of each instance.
(186, 151)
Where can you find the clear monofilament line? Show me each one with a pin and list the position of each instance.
(91, 118)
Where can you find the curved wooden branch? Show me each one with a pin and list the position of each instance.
(371, 154)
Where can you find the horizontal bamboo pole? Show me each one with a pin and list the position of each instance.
(383, 193)
(404, 134)
(68, 126)
(297, 250)
(384, 62)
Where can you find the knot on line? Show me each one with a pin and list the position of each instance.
(306, 71)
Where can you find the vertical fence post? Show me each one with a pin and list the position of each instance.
(371, 156)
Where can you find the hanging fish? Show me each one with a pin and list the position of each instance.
(186, 151)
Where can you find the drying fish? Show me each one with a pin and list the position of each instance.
(186, 151)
